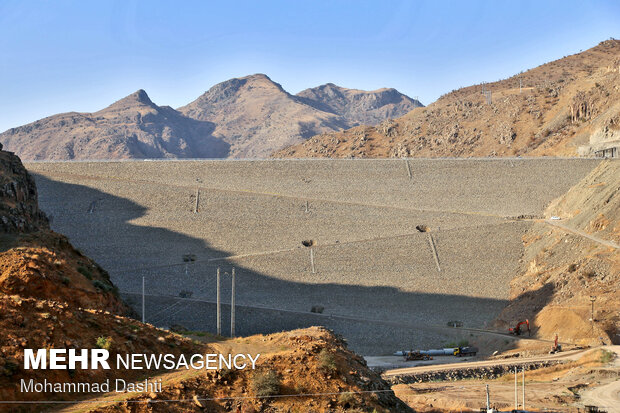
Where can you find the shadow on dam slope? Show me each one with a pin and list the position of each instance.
(184, 293)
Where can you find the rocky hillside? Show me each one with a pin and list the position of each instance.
(19, 208)
(133, 127)
(254, 115)
(246, 117)
(567, 107)
(563, 269)
(293, 364)
(359, 107)
(52, 296)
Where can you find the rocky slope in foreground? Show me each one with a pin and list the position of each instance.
(567, 107)
(564, 269)
(245, 117)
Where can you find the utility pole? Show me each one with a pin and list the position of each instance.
(523, 395)
(488, 399)
(307, 209)
(197, 200)
(312, 261)
(520, 85)
(198, 182)
(516, 393)
(219, 310)
(592, 300)
(232, 305)
(143, 315)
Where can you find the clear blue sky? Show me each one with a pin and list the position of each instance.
(58, 56)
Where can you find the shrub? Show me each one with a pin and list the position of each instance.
(346, 399)
(10, 367)
(65, 280)
(85, 272)
(461, 343)
(104, 342)
(607, 356)
(265, 383)
(102, 286)
(326, 360)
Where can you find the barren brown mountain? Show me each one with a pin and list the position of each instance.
(359, 107)
(246, 117)
(568, 107)
(257, 116)
(133, 127)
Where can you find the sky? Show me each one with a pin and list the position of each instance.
(59, 56)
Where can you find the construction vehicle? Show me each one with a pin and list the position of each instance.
(413, 355)
(556, 347)
(517, 329)
(465, 351)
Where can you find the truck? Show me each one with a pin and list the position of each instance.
(465, 351)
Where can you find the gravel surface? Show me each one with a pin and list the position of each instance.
(371, 261)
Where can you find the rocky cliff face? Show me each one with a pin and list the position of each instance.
(19, 208)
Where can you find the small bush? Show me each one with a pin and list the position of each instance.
(265, 383)
(10, 367)
(104, 343)
(607, 356)
(102, 286)
(85, 272)
(461, 343)
(346, 399)
(326, 360)
(572, 268)
(65, 280)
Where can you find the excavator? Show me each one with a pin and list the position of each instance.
(556, 346)
(517, 329)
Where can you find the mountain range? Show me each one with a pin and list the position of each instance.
(248, 117)
(567, 107)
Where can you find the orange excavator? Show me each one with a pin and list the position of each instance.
(517, 329)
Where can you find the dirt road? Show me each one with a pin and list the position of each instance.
(565, 356)
(583, 234)
(606, 397)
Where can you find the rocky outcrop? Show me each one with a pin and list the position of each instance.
(19, 208)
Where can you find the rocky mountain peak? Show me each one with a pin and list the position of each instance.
(136, 99)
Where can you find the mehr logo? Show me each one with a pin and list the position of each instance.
(60, 360)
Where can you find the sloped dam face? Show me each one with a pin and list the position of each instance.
(390, 257)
